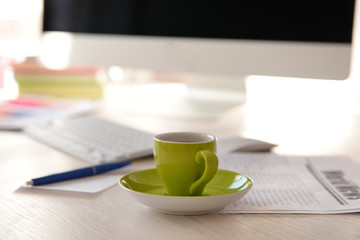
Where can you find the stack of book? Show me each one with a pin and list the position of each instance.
(72, 82)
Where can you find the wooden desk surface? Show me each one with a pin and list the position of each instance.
(311, 126)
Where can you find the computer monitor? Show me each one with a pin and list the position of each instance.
(218, 43)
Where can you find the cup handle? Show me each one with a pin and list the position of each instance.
(211, 165)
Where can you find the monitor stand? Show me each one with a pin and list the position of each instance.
(196, 96)
(218, 89)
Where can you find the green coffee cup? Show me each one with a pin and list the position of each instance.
(185, 161)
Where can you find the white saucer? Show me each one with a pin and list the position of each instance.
(225, 188)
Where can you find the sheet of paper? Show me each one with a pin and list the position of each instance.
(91, 184)
(296, 184)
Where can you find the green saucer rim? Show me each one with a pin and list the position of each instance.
(210, 187)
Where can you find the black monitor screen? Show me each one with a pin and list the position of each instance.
(305, 20)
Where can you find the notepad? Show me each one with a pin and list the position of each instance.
(93, 184)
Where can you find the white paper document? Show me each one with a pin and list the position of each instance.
(295, 184)
(92, 184)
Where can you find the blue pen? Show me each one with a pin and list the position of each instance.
(78, 173)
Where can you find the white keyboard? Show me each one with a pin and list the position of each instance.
(94, 139)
